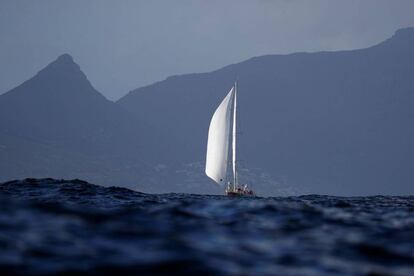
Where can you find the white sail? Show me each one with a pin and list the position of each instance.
(234, 135)
(218, 140)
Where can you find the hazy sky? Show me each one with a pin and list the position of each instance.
(122, 45)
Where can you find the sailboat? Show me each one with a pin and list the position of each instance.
(218, 154)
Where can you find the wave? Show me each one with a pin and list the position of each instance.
(71, 226)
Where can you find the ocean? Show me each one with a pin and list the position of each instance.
(52, 226)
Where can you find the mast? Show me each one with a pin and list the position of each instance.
(234, 136)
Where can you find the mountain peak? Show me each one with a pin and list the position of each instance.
(405, 31)
(63, 62)
(61, 77)
(402, 39)
(62, 68)
(65, 58)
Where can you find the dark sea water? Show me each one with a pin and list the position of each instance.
(54, 227)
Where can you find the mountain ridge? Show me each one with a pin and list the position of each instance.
(400, 33)
(312, 119)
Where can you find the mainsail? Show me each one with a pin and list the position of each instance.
(218, 140)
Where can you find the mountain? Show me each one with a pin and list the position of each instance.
(57, 125)
(327, 122)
